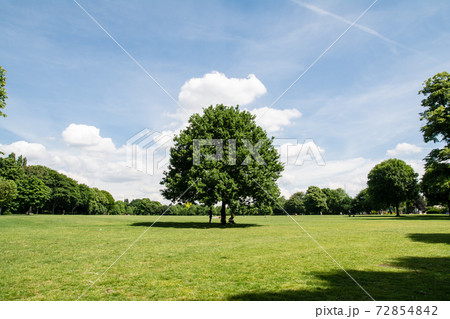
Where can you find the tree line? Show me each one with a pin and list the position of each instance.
(39, 189)
(392, 186)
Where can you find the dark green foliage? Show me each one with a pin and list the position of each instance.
(32, 194)
(338, 201)
(3, 95)
(11, 169)
(392, 182)
(362, 202)
(436, 184)
(280, 206)
(315, 201)
(226, 181)
(436, 180)
(65, 195)
(8, 192)
(42, 189)
(437, 108)
(295, 204)
(436, 210)
(110, 202)
(146, 207)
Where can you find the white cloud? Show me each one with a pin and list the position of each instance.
(30, 150)
(216, 88)
(87, 137)
(404, 149)
(273, 120)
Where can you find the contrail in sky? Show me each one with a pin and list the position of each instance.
(342, 19)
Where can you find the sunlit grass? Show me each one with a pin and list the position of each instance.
(260, 258)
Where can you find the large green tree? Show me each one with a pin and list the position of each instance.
(3, 95)
(240, 163)
(392, 182)
(436, 180)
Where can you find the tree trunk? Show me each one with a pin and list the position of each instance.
(53, 208)
(397, 210)
(223, 213)
(448, 208)
(1, 208)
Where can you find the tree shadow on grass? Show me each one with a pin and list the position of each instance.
(195, 225)
(404, 217)
(435, 238)
(419, 278)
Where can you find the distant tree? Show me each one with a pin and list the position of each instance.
(420, 204)
(120, 207)
(65, 194)
(8, 192)
(97, 202)
(279, 206)
(295, 204)
(32, 193)
(315, 200)
(3, 95)
(362, 202)
(85, 198)
(10, 169)
(392, 182)
(338, 200)
(436, 184)
(241, 176)
(110, 202)
(144, 206)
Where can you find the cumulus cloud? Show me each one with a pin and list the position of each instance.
(273, 120)
(216, 88)
(30, 150)
(87, 137)
(404, 149)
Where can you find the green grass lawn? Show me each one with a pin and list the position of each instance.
(260, 258)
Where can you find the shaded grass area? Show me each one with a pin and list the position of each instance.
(260, 258)
(184, 224)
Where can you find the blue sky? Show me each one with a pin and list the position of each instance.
(358, 104)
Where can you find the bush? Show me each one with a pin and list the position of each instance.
(436, 210)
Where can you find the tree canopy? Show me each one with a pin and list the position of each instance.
(8, 192)
(39, 188)
(392, 182)
(3, 95)
(315, 200)
(436, 180)
(235, 162)
(436, 184)
(437, 110)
